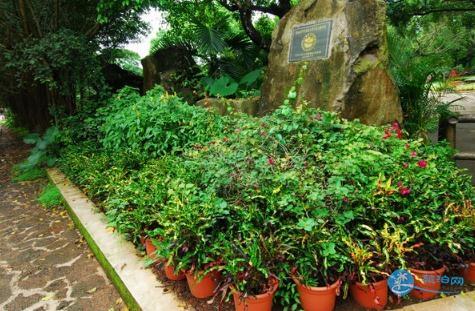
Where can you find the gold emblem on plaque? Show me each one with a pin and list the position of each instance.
(309, 41)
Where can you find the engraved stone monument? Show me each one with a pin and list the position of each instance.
(343, 45)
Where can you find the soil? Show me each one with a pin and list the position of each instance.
(180, 289)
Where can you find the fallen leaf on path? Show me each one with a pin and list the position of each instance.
(48, 297)
(92, 290)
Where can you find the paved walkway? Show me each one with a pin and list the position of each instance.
(465, 132)
(44, 263)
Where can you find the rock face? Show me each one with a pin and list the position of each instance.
(354, 80)
(224, 106)
(117, 78)
(169, 67)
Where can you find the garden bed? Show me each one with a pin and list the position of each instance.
(299, 196)
(166, 287)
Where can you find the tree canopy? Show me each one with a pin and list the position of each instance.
(241, 10)
(51, 51)
(48, 54)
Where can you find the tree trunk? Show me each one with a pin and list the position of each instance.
(31, 107)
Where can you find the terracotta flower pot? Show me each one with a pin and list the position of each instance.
(373, 296)
(204, 288)
(262, 302)
(429, 281)
(469, 273)
(150, 249)
(170, 273)
(318, 298)
(142, 239)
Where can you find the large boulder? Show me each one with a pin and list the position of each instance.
(353, 80)
(117, 78)
(170, 67)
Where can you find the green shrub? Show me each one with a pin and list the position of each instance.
(50, 197)
(44, 153)
(299, 192)
(156, 124)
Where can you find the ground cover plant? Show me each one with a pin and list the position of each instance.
(299, 193)
(50, 197)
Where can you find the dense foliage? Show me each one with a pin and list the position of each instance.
(424, 50)
(49, 55)
(299, 191)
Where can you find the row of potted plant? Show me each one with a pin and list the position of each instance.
(205, 284)
(299, 196)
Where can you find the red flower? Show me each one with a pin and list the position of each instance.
(404, 191)
(413, 154)
(396, 125)
(395, 128)
(422, 164)
(405, 165)
(346, 200)
(270, 161)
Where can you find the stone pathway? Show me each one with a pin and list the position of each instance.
(44, 262)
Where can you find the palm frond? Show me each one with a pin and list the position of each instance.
(209, 39)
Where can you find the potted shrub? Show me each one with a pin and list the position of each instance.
(259, 298)
(375, 254)
(469, 273)
(169, 267)
(151, 249)
(468, 266)
(204, 283)
(467, 238)
(183, 262)
(193, 231)
(252, 285)
(319, 263)
(429, 261)
(171, 273)
(428, 264)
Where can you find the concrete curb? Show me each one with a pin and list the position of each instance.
(138, 287)
(460, 302)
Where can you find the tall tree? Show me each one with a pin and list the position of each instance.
(48, 54)
(401, 11)
(244, 10)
